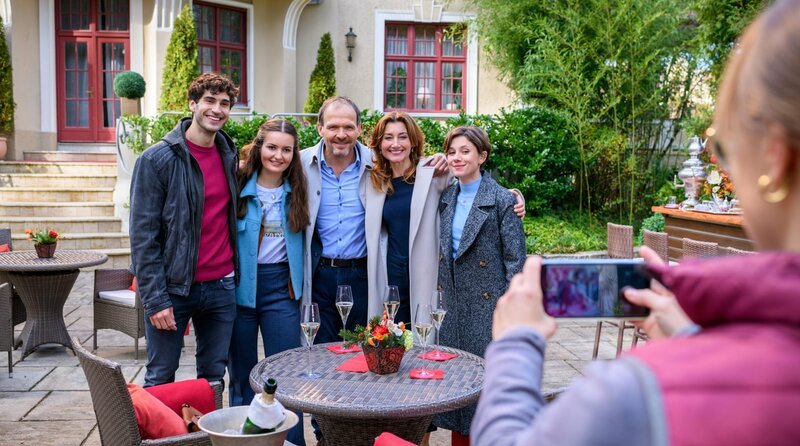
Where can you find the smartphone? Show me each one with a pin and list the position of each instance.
(592, 288)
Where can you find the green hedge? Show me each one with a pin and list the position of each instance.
(564, 233)
(533, 150)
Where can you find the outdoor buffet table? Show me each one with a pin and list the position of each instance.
(44, 285)
(354, 408)
(725, 230)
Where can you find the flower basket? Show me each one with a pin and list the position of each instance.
(383, 342)
(45, 251)
(383, 360)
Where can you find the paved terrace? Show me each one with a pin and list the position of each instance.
(47, 401)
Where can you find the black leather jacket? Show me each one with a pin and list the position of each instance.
(166, 213)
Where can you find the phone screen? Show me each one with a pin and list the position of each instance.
(592, 288)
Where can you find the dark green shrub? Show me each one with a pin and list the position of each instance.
(7, 104)
(243, 131)
(368, 120)
(144, 132)
(322, 83)
(129, 84)
(434, 134)
(180, 64)
(534, 151)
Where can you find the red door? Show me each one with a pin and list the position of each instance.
(92, 46)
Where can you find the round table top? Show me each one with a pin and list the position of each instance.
(63, 259)
(369, 395)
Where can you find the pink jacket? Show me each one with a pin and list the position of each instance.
(737, 382)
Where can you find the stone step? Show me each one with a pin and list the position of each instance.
(95, 240)
(64, 225)
(117, 258)
(49, 195)
(56, 180)
(79, 209)
(62, 168)
(69, 156)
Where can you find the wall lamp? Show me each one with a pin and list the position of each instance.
(350, 42)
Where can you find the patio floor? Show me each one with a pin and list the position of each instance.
(47, 400)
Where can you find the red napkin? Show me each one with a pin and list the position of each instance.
(444, 356)
(415, 374)
(356, 364)
(339, 349)
(387, 439)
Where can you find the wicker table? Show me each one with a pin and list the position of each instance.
(354, 408)
(44, 285)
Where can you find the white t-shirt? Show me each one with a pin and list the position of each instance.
(273, 245)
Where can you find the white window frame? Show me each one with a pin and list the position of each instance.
(383, 16)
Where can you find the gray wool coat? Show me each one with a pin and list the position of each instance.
(491, 251)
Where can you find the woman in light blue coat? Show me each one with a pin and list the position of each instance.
(272, 214)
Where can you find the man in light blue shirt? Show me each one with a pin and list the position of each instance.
(336, 249)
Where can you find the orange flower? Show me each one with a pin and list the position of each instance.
(371, 342)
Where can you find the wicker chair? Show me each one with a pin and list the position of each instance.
(113, 408)
(6, 328)
(696, 248)
(735, 252)
(18, 314)
(126, 317)
(658, 242)
(620, 246)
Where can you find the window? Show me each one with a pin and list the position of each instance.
(222, 42)
(425, 67)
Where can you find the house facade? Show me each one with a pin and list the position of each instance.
(407, 55)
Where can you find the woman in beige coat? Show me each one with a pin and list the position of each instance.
(402, 216)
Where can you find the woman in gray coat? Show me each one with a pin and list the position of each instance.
(482, 245)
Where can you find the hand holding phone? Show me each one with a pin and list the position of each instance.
(592, 288)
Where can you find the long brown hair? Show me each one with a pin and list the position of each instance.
(251, 153)
(382, 168)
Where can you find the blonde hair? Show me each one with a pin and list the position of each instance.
(762, 80)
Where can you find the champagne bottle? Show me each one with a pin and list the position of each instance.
(265, 413)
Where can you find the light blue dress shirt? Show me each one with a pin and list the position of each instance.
(464, 199)
(340, 220)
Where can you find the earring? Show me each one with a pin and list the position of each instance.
(771, 197)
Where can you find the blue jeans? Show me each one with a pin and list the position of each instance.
(212, 307)
(278, 318)
(324, 284)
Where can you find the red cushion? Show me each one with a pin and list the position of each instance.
(4, 248)
(195, 392)
(387, 439)
(133, 285)
(155, 419)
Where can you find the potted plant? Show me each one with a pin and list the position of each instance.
(6, 93)
(130, 88)
(383, 341)
(44, 241)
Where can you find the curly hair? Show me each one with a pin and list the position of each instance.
(251, 155)
(382, 168)
(214, 83)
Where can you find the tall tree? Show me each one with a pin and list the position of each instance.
(322, 83)
(620, 69)
(180, 65)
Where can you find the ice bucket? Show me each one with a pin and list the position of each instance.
(217, 422)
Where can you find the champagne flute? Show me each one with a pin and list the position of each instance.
(344, 303)
(391, 301)
(422, 327)
(438, 311)
(310, 326)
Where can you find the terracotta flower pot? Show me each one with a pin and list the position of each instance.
(45, 251)
(383, 360)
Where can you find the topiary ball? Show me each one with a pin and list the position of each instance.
(129, 84)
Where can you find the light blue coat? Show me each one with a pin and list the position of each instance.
(247, 242)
